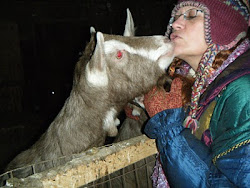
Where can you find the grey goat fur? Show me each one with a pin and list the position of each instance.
(103, 84)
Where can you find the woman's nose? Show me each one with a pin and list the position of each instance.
(179, 23)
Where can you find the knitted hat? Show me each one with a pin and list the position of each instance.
(226, 21)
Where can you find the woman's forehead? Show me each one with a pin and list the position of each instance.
(184, 9)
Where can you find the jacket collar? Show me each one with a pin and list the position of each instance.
(240, 67)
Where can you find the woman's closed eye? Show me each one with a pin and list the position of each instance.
(188, 15)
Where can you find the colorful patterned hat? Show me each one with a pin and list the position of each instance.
(226, 21)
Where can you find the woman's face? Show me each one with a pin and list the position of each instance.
(188, 36)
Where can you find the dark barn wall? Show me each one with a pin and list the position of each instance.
(40, 42)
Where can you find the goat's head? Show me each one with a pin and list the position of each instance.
(127, 63)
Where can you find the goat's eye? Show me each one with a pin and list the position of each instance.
(119, 54)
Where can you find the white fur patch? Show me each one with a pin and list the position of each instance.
(117, 122)
(110, 120)
(152, 54)
(165, 61)
(191, 73)
(139, 100)
(136, 112)
(96, 78)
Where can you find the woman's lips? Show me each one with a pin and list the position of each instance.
(174, 37)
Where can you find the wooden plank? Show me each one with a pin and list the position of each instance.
(94, 164)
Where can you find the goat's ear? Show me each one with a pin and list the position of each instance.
(92, 30)
(129, 27)
(96, 72)
(98, 56)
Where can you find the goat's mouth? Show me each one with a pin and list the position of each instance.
(167, 40)
(166, 59)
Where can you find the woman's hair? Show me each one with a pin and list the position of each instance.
(221, 57)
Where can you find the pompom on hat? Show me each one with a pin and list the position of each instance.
(226, 21)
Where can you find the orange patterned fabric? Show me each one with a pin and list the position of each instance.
(158, 100)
